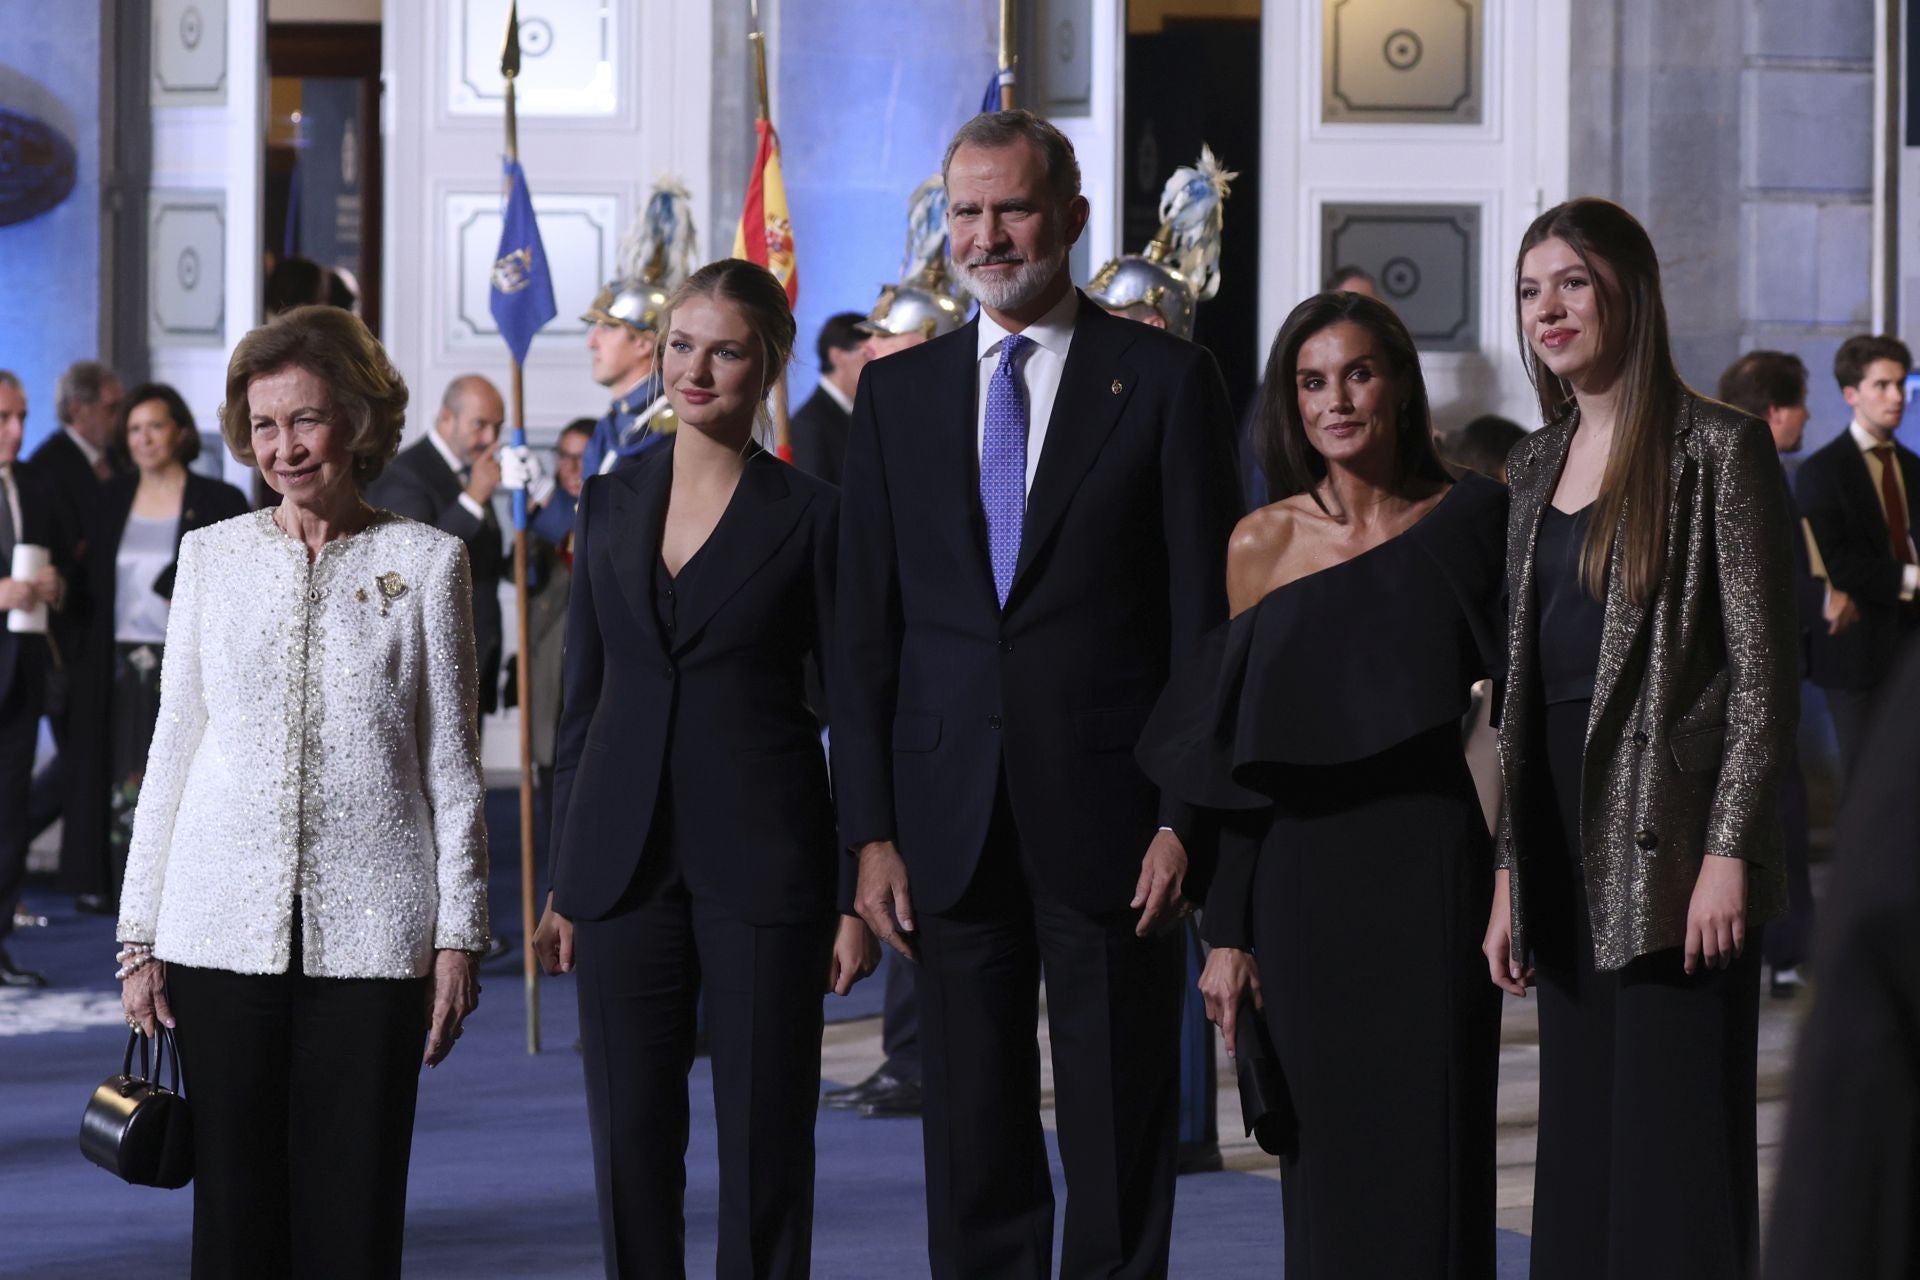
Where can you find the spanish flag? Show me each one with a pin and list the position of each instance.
(765, 233)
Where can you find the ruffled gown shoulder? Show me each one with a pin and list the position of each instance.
(1323, 729)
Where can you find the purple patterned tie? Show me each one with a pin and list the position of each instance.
(1003, 465)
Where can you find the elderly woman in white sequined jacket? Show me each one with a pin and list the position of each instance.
(305, 894)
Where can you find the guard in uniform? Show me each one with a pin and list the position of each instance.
(923, 305)
(1163, 285)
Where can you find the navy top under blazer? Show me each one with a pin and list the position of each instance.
(703, 733)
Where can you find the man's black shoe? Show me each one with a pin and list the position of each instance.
(12, 975)
(903, 1099)
(854, 1096)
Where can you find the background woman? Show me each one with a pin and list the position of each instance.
(1365, 607)
(1651, 695)
(306, 888)
(133, 548)
(694, 835)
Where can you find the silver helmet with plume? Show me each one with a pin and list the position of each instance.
(654, 256)
(1180, 267)
(926, 300)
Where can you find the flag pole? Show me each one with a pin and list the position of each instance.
(510, 67)
(1006, 55)
(782, 423)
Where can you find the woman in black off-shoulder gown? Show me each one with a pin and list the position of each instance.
(1323, 725)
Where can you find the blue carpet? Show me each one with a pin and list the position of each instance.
(501, 1180)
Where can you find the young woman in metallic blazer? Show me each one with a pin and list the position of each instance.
(1650, 698)
(694, 836)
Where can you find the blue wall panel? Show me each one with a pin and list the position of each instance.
(869, 93)
(50, 265)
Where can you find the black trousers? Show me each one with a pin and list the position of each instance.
(1113, 1010)
(640, 973)
(1647, 1166)
(302, 1092)
(19, 725)
(1852, 711)
(900, 1020)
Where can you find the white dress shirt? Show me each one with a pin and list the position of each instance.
(1038, 368)
(316, 741)
(461, 468)
(1867, 443)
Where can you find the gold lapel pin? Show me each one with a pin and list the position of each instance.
(1116, 386)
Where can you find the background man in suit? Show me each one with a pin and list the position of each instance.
(1033, 533)
(30, 512)
(1855, 494)
(447, 480)
(78, 459)
(1772, 386)
(819, 429)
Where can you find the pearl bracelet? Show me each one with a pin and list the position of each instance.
(133, 957)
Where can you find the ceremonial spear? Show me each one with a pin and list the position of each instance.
(518, 273)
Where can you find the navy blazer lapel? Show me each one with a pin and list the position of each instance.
(637, 510)
(1095, 387)
(756, 523)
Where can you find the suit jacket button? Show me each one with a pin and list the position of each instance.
(1646, 839)
(993, 722)
(1006, 646)
(671, 673)
(1639, 739)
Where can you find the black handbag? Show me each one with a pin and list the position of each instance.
(1264, 1102)
(136, 1128)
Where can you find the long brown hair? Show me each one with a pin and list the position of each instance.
(1624, 273)
(1292, 465)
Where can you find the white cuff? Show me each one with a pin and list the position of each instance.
(1909, 581)
(478, 512)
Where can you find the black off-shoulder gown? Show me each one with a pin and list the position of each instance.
(1323, 727)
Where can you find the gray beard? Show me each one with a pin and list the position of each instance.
(1027, 283)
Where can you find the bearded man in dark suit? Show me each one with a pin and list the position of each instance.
(1034, 525)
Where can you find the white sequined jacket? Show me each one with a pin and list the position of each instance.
(317, 737)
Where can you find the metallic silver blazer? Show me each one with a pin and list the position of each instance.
(1696, 699)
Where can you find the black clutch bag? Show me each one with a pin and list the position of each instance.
(136, 1128)
(1264, 1101)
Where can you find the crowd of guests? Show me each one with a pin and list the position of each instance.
(1075, 691)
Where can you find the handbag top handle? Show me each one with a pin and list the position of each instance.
(165, 1054)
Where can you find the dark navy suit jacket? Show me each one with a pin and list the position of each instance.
(1122, 570)
(706, 730)
(1836, 493)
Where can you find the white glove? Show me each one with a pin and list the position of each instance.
(521, 468)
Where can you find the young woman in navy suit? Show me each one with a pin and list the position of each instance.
(694, 835)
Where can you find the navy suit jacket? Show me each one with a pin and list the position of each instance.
(1836, 493)
(1122, 570)
(704, 736)
(819, 436)
(419, 485)
(43, 522)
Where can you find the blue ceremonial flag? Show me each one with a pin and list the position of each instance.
(990, 103)
(522, 292)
